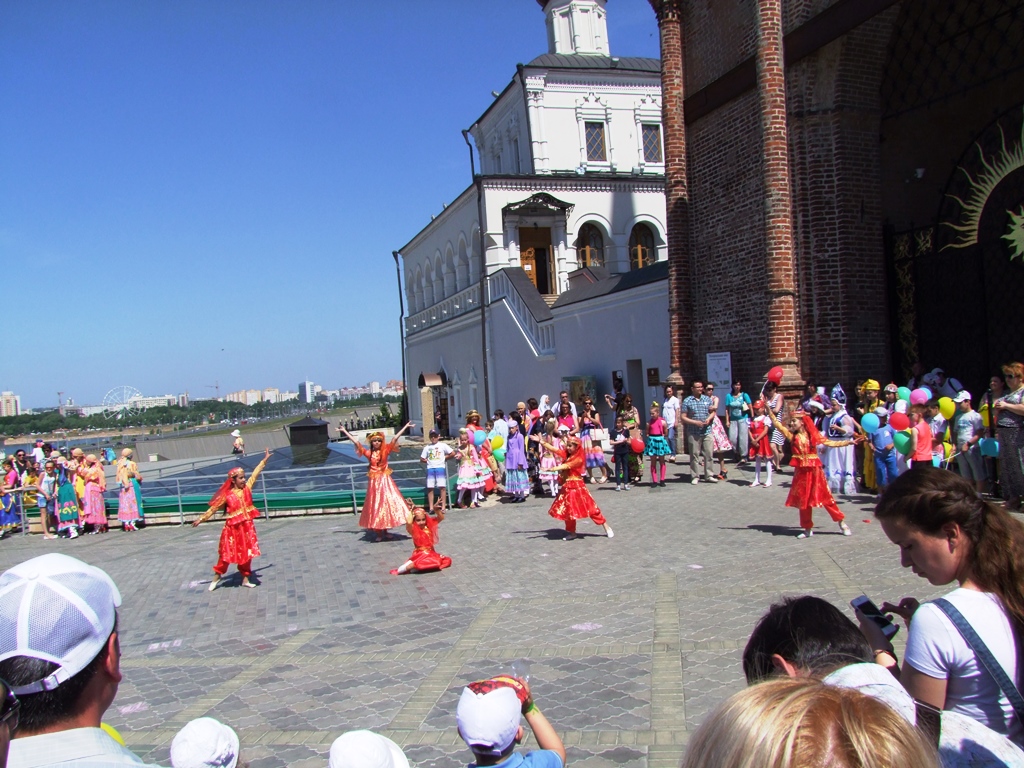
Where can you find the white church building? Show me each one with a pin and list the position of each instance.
(549, 271)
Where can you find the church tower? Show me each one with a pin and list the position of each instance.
(576, 26)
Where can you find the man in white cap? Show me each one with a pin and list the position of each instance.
(488, 717)
(59, 651)
(365, 749)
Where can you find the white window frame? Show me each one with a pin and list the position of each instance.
(592, 109)
(648, 112)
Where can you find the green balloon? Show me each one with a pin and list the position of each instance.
(902, 442)
(903, 393)
(499, 454)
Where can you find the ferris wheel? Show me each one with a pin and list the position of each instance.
(121, 402)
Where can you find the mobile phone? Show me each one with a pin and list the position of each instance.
(870, 610)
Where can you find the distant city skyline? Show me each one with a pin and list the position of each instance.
(211, 192)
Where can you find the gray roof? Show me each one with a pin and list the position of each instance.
(614, 284)
(593, 61)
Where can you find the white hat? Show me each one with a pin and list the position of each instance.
(236, 433)
(58, 609)
(365, 749)
(489, 722)
(901, 406)
(816, 405)
(961, 396)
(205, 743)
(881, 412)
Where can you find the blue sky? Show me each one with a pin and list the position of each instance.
(206, 191)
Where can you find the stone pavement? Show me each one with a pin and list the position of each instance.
(632, 640)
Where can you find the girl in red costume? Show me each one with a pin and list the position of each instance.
(810, 488)
(238, 542)
(574, 500)
(760, 448)
(423, 529)
(383, 506)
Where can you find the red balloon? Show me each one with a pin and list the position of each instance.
(637, 445)
(775, 375)
(899, 421)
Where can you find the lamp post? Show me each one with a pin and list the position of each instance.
(401, 335)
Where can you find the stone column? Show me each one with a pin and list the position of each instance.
(677, 196)
(778, 216)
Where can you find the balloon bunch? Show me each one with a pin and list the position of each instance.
(899, 420)
(496, 442)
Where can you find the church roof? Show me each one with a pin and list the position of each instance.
(583, 61)
(613, 284)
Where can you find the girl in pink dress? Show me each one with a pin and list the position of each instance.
(383, 506)
(95, 484)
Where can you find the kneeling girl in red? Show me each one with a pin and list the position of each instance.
(574, 501)
(423, 530)
(810, 488)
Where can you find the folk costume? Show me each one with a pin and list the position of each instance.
(424, 536)
(809, 488)
(470, 478)
(760, 445)
(238, 542)
(383, 506)
(129, 501)
(95, 484)
(517, 480)
(868, 404)
(574, 501)
(840, 462)
(68, 510)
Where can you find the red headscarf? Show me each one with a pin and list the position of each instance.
(219, 500)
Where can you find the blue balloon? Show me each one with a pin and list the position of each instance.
(989, 447)
(479, 437)
(869, 423)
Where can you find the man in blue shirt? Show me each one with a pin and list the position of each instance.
(488, 717)
(885, 450)
(697, 417)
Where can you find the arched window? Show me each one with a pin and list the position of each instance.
(641, 247)
(590, 247)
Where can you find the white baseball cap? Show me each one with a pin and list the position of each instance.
(489, 721)
(961, 396)
(58, 609)
(205, 743)
(365, 749)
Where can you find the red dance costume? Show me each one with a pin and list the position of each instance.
(238, 543)
(574, 501)
(424, 558)
(809, 488)
(383, 506)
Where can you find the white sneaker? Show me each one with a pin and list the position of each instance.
(618, 487)
(694, 481)
(768, 485)
(754, 483)
(711, 479)
(845, 529)
(806, 534)
(626, 487)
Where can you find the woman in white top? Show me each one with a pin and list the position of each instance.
(947, 533)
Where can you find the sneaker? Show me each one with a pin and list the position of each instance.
(618, 487)
(768, 484)
(711, 479)
(755, 483)
(662, 484)
(806, 534)
(626, 487)
(694, 481)
(845, 529)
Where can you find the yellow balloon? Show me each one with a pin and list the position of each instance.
(496, 442)
(947, 407)
(984, 414)
(947, 450)
(112, 731)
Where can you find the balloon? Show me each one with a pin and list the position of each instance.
(985, 415)
(499, 454)
(947, 408)
(496, 442)
(637, 445)
(775, 375)
(899, 421)
(919, 396)
(902, 442)
(903, 393)
(112, 731)
(869, 423)
(928, 391)
(479, 438)
(989, 447)
(947, 450)
(901, 406)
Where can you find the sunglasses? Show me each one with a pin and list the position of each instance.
(10, 708)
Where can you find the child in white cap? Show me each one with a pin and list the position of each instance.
(205, 743)
(365, 749)
(488, 717)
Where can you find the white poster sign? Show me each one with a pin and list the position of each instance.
(720, 374)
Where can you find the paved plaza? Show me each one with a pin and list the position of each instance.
(632, 640)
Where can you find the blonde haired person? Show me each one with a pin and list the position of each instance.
(791, 723)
